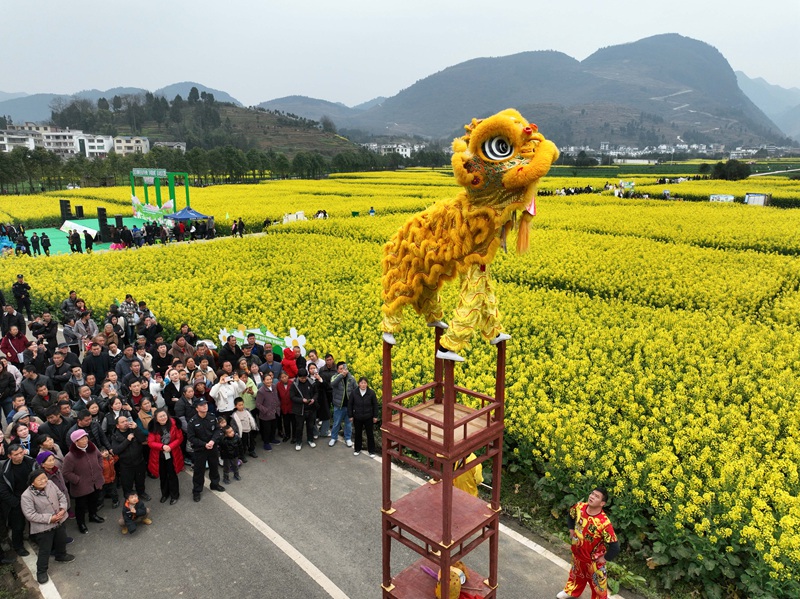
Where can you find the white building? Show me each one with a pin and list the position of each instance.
(125, 144)
(94, 146)
(62, 142)
(403, 149)
(14, 139)
(171, 145)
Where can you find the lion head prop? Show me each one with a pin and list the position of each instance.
(499, 163)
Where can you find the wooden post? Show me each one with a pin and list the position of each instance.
(386, 417)
(494, 550)
(386, 542)
(386, 465)
(447, 464)
(438, 369)
(499, 415)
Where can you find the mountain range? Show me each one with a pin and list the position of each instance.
(780, 104)
(36, 108)
(656, 90)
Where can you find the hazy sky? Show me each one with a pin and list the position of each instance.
(351, 51)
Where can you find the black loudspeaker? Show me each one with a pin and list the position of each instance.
(66, 211)
(78, 211)
(105, 235)
(118, 220)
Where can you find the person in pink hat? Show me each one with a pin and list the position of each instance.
(83, 470)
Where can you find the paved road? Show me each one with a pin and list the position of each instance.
(299, 525)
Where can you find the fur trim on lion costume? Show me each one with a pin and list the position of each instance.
(499, 162)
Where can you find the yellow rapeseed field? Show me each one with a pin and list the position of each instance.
(655, 345)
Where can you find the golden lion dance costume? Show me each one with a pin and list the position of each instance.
(499, 162)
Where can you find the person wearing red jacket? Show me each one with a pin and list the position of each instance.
(166, 458)
(286, 407)
(13, 345)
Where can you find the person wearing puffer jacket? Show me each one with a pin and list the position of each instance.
(289, 363)
(45, 507)
(362, 408)
(83, 470)
(227, 389)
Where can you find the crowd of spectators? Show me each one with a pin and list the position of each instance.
(88, 420)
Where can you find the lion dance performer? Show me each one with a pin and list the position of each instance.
(499, 162)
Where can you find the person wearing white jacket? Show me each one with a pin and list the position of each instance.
(227, 389)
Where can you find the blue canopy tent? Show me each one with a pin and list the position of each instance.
(186, 214)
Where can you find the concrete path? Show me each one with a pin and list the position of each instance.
(299, 525)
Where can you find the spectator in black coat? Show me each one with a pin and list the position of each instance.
(127, 442)
(58, 372)
(46, 328)
(57, 427)
(230, 351)
(14, 473)
(362, 408)
(12, 318)
(97, 362)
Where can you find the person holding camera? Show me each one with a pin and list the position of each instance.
(127, 442)
(225, 392)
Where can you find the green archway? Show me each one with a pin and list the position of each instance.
(153, 176)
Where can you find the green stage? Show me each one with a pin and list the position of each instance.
(59, 238)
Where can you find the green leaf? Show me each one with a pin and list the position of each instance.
(733, 559)
(713, 591)
(681, 551)
(662, 559)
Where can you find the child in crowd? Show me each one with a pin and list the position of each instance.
(133, 512)
(245, 425)
(229, 449)
(110, 482)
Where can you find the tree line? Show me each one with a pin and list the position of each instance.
(35, 171)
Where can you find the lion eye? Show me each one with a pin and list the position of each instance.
(497, 148)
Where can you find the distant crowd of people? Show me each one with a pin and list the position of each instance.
(15, 238)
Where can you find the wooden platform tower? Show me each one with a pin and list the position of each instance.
(441, 523)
